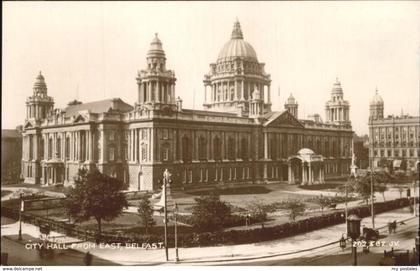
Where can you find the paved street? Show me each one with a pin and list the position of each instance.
(305, 245)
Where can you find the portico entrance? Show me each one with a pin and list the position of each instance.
(305, 168)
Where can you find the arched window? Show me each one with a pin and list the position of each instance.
(186, 149)
(202, 148)
(244, 149)
(217, 148)
(231, 148)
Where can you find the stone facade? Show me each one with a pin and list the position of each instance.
(393, 139)
(237, 138)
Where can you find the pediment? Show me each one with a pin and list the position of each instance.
(283, 119)
(79, 118)
(28, 125)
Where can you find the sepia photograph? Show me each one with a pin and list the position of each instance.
(243, 133)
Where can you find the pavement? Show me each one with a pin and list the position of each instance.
(304, 245)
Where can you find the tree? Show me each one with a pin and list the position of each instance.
(209, 213)
(295, 208)
(145, 211)
(381, 188)
(322, 202)
(95, 195)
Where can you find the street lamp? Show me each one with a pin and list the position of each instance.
(166, 179)
(372, 192)
(176, 232)
(20, 216)
(353, 229)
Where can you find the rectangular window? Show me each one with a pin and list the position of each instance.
(404, 153)
(396, 153)
(111, 153)
(165, 133)
(111, 135)
(411, 152)
(382, 153)
(389, 153)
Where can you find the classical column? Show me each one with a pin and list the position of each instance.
(157, 92)
(303, 182)
(205, 93)
(310, 174)
(289, 172)
(265, 145)
(242, 90)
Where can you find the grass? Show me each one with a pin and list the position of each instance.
(323, 186)
(240, 190)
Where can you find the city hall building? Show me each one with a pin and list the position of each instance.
(394, 139)
(236, 138)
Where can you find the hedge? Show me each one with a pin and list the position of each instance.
(217, 238)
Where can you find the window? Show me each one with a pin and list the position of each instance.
(186, 149)
(67, 148)
(411, 152)
(111, 135)
(404, 153)
(389, 153)
(165, 133)
(165, 152)
(375, 153)
(231, 148)
(41, 146)
(382, 153)
(244, 149)
(202, 148)
(273, 148)
(125, 152)
(217, 149)
(143, 151)
(396, 153)
(58, 147)
(50, 145)
(31, 147)
(111, 153)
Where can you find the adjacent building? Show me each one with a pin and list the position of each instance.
(393, 140)
(11, 155)
(236, 138)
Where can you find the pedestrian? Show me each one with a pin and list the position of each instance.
(88, 258)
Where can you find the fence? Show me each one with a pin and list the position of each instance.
(214, 238)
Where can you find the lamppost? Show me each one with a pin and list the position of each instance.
(22, 206)
(166, 176)
(353, 229)
(372, 192)
(176, 232)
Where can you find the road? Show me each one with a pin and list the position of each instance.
(335, 256)
(18, 255)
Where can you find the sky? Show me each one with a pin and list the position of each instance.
(92, 50)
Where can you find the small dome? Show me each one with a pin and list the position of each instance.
(291, 99)
(377, 99)
(156, 47)
(237, 47)
(305, 151)
(337, 87)
(40, 81)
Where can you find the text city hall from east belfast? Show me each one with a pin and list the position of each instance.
(236, 138)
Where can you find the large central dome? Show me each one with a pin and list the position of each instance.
(237, 47)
